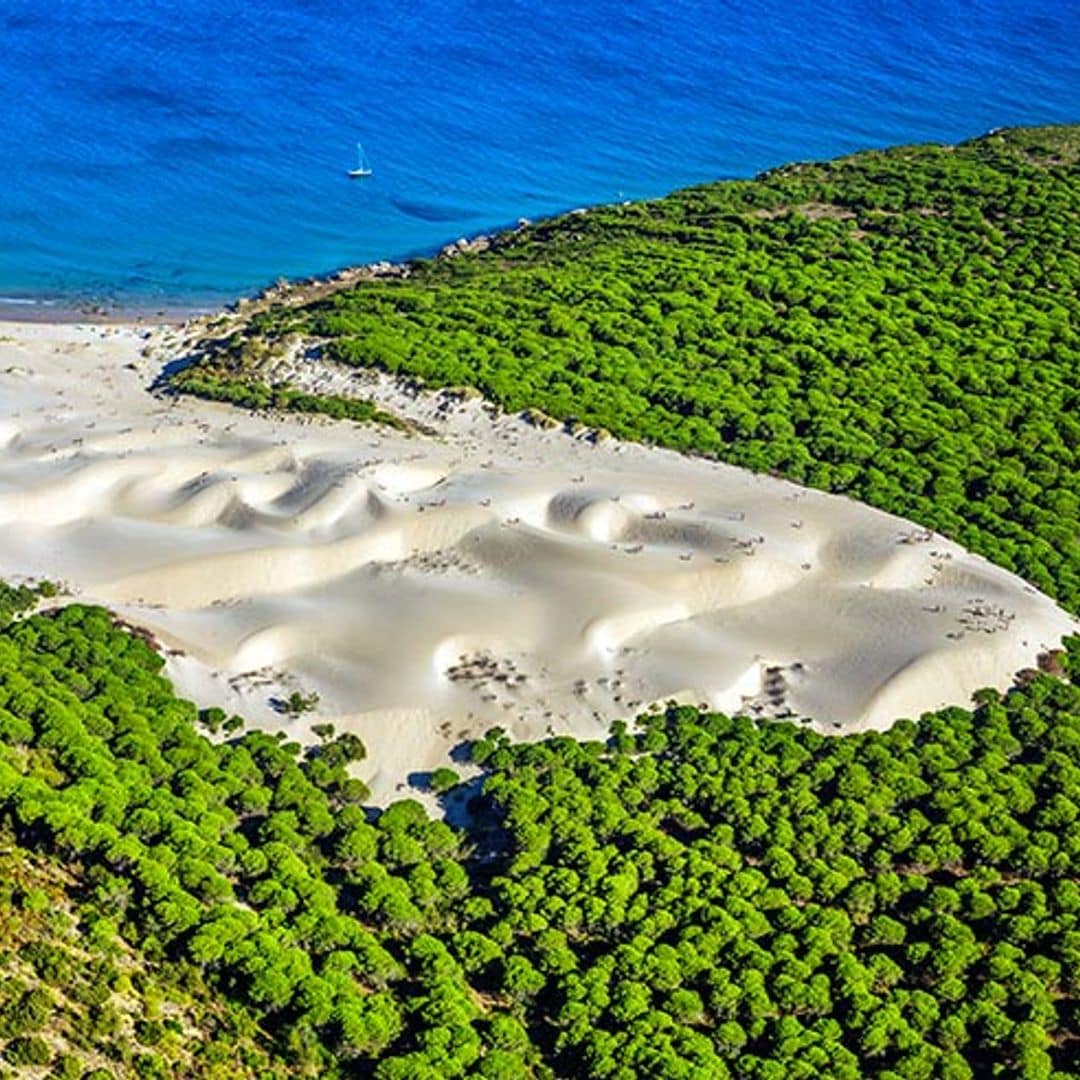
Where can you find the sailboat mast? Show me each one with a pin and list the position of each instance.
(362, 168)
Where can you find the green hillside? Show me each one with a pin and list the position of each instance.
(899, 325)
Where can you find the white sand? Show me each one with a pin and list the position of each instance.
(429, 588)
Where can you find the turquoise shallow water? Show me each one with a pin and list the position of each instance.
(192, 151)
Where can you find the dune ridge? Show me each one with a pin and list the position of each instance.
(429, 588)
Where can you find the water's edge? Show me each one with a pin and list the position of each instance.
(54, 307)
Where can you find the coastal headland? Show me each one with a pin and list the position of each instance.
(648, 636)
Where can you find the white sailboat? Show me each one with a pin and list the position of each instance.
(362, 167)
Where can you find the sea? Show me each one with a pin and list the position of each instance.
(182, 153)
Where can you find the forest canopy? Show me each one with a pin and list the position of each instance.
(697, 897)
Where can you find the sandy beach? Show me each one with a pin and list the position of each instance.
(428, 587)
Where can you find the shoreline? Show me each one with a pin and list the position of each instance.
(60, 312)
(64, 311)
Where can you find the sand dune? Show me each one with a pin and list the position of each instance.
(430, 587)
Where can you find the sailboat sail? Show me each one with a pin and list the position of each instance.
(362, 166)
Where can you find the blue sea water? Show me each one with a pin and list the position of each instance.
(188, 151)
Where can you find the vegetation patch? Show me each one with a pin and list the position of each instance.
(79, 1003)
(17, 599)
(252, 394)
